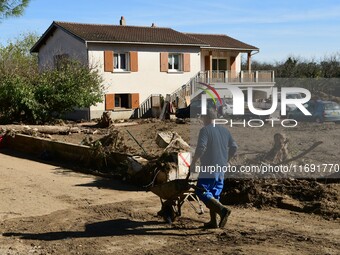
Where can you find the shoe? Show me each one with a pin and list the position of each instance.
(213, 221)
(224, 217)
(216, 207)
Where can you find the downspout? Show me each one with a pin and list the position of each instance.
(249, 61)
(257, 51)
(249, 57)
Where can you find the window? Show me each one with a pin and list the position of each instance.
(122, 101)
(175, 62)
(219, 64)
(121, 61)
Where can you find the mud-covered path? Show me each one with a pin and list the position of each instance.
(48, 210)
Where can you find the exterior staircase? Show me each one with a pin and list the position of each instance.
(217, 79)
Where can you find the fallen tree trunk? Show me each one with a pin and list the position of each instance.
(51, 130)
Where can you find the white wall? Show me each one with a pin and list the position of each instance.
(149, 79)
(61, 43)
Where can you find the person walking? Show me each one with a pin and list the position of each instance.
(215, 147)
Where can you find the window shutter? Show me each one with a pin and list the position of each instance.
(207, 63)
(109, 102)
(134, 100)
(134, 61)
(108, 61)
(164, 61)
(186, 62)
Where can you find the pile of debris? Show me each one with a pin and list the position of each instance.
(172, 164)
(113, 141)
(141, 168)
(293, 194)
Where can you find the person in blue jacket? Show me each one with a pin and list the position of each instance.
(215, 147)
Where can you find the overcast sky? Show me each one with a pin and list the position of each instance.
(280, 28)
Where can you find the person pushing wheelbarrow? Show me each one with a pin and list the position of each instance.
(215, 146)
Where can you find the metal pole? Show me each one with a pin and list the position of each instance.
(137, 142)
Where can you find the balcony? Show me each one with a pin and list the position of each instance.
(218, 79)
(242, 77)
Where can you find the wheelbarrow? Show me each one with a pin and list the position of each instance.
(173, 194)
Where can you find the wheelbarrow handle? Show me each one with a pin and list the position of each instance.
(195, 187)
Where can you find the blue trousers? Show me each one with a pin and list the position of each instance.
(208, 188)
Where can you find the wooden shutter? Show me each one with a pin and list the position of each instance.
(134, 61)
(164, 61)
(207, 63)
(109, 102)
(108, 61)
(134, 100)
(186, 62)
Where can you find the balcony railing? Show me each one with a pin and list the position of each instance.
(237, 77)
(232, 77)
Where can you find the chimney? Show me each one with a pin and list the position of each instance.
(122, 21)
(153, 25)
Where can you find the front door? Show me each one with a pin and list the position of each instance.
(219, 66)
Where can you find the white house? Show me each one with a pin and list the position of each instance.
(136, 62)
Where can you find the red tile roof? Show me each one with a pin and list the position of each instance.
(141, 35)
(222, 41)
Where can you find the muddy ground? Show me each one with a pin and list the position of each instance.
(320, 197)
(55, 211)
(51, 210)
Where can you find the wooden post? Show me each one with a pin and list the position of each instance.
(210, 71)
(249, 61)
(226, 76)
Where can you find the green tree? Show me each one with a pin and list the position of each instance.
(293, 67)
(17, 102)
(12, 8)
(15, 57)
(32, 96)
(61, 90)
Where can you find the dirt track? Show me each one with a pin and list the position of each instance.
(48, 210)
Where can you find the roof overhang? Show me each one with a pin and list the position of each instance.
(146, 43)
(48, 33)
(54, 26)
(231, 49)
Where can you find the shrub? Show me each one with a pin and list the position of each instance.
(60, 91)
(17, 99)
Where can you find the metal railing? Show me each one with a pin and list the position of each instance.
(240, 77)
(190, 88)
(144, 107)
(232, 77)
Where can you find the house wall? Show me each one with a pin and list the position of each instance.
(148, 79)
(59, 43)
